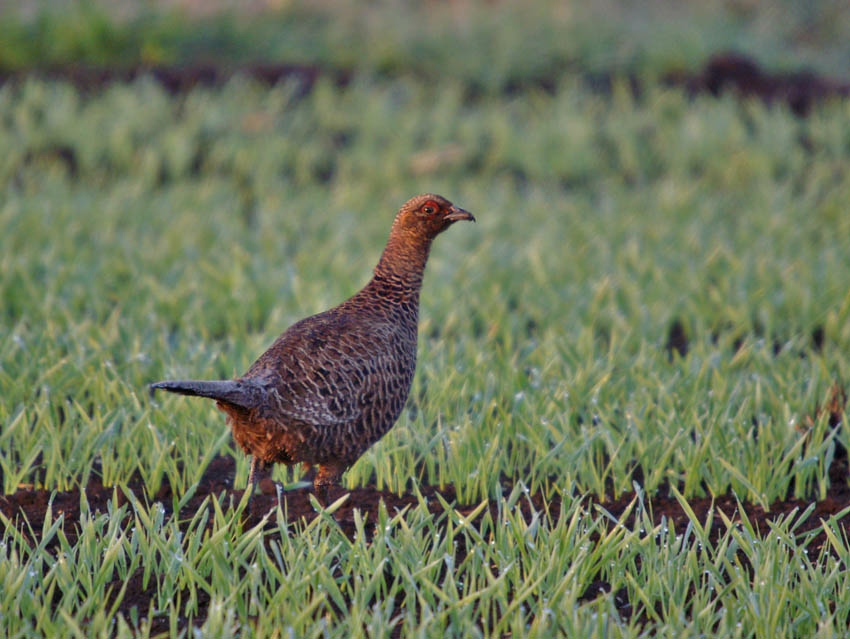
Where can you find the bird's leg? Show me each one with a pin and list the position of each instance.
(321, 494)
(257, 468)
(253, 475)
(328, 475)
(309, 473)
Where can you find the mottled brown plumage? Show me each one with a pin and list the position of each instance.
(333, 384)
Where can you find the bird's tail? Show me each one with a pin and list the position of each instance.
(231, 391)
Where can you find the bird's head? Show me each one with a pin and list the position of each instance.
(418, 222)
(428, 215)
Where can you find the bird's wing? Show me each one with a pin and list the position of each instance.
(323, 370)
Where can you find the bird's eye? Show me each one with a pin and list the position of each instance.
(429, 208)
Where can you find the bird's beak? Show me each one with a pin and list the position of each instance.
(458, 214)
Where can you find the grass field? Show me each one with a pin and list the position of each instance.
(146, 236)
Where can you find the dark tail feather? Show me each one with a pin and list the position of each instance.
(230, 391)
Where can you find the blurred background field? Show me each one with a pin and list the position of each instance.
(655, 295)
(484, 44)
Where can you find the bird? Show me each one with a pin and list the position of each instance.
(334, 383)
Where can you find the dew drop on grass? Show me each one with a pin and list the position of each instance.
(534, 377)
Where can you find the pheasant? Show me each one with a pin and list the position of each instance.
(334, 383)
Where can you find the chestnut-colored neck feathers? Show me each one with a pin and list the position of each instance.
(402, 263)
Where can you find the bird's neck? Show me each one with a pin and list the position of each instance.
(403, 263)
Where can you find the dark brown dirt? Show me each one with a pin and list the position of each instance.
(27, 507)
(740, 74)
(182, 78)
(724, 72)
